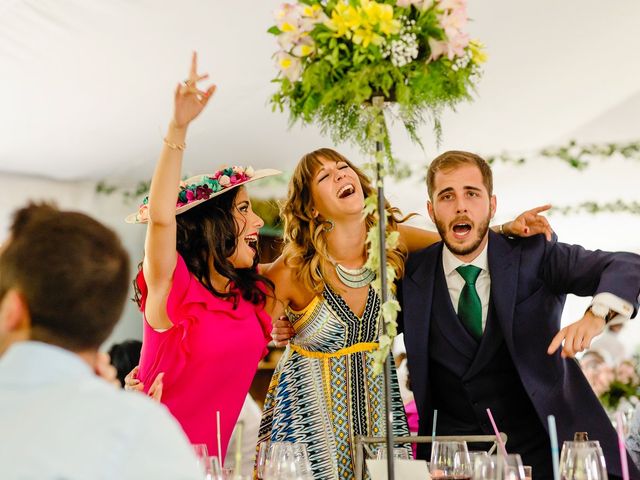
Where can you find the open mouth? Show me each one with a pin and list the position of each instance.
(252, 241)
(346, 191)
(461, 229)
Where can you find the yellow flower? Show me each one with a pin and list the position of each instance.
(365, 36)
(381, 15)
(478, 55)
(344, 18)
(287, 27)
(311, 10)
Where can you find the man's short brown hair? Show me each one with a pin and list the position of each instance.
(72, 272)
(454, 159)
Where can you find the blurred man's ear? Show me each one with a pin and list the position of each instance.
(14, 319)
(430, 211)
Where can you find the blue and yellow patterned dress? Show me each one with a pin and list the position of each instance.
(324, 392)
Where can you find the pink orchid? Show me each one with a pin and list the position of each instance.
(437, 48)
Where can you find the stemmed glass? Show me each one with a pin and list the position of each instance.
(582, 460)
(450, 460)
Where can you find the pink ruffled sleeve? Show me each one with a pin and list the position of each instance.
(167, 351)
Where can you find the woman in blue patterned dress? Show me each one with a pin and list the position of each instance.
(324, 391)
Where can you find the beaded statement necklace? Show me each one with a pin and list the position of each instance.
(353, 277)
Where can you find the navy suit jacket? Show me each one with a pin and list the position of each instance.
(530, 278)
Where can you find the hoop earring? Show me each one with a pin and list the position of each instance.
(328, 226)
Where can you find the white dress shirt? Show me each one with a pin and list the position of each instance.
(455, 283)
(59, 421)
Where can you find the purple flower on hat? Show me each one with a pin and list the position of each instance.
(203, 192)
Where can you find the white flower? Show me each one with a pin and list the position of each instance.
(289, 65)
(224, 180)
(249, 171)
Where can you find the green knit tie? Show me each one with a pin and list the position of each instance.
(469, 305)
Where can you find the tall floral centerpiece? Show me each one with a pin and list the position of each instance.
(343, 63)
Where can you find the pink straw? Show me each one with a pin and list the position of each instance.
(623, 451)
(498, 437)
(218, 431)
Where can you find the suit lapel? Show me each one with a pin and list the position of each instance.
(504, 265)
(421, 281)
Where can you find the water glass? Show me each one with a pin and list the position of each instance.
(213, 468)
(498, 467)
(281, 464)
(301, 457)
(450, 460)
(582, 460)
(476, 456)
(398, 452)
(262, 458)
(201, 453)
(513, 468)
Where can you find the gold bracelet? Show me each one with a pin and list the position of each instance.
(174, 146)
(501, 230)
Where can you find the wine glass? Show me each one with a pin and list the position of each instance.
(450, 460)
(580, 460)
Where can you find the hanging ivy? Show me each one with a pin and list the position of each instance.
(578, 156)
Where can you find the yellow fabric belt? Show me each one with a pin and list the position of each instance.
(358, 347)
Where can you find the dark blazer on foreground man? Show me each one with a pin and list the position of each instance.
(530, 278)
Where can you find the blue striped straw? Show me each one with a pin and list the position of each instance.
(433, 429)
(553, 437)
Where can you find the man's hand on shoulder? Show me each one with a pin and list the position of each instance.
(282, 331)
(577, 336)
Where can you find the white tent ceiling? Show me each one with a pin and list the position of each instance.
(86, 85)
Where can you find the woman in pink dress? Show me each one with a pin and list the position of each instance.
(202, 298)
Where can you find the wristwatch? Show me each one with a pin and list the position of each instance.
(601, 310)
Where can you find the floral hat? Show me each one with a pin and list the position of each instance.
(200, 188)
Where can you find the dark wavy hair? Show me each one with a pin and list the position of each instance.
(209, 231)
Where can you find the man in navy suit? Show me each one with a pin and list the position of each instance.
(481, 318)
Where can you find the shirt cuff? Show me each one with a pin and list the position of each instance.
(623, 308)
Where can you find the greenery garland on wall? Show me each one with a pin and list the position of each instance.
(578, 156)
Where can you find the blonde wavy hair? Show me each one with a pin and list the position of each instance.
(304, 236)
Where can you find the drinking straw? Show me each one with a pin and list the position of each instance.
(433, 429)
(239, 427)
(623, 451)
(553, 437)
(218, 432)
(498, 437)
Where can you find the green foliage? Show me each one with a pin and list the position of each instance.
(332, 85)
